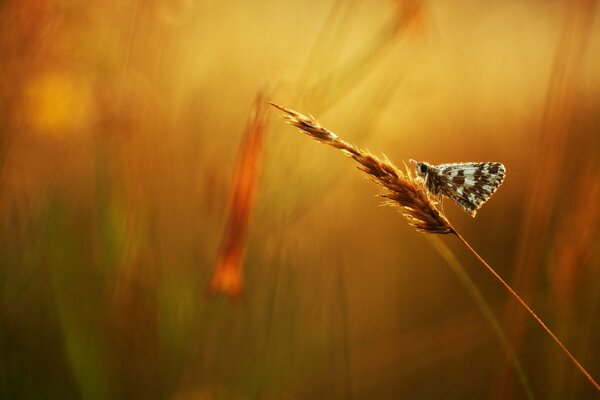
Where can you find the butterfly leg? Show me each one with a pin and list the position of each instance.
(440, 201)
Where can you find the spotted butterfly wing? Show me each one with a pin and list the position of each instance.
(470, 184)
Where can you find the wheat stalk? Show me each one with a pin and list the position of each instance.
(400, 188)
(416, 204)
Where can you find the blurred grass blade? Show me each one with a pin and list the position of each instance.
(340, 80)
(533, 315)
(227, 276)
(485, 309)
(554, 137)
(77, 300)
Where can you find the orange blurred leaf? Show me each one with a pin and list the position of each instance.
(414, 19)
(227, 277)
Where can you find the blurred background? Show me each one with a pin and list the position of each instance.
(164, 235)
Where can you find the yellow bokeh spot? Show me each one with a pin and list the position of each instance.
(58, 104)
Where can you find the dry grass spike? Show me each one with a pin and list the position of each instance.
(401, 188)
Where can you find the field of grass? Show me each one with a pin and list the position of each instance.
(164, 235)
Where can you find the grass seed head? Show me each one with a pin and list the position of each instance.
(402, 189)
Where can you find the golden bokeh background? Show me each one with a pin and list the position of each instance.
(121, 126)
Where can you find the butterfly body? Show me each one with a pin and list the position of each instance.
(468, 184)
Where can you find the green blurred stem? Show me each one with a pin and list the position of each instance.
(530, 311)
(485, 309)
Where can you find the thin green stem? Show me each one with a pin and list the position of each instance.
(530, 311)
(485, 309)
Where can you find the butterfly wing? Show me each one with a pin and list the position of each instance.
(470, 184)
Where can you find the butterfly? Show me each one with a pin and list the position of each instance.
(469, 184)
